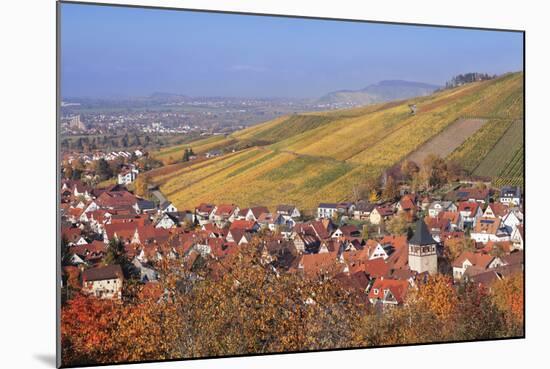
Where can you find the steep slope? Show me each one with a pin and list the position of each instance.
(309, 158)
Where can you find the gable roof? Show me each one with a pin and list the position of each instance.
(259, 210)
(384, 211)
(468, 206)
(452, 216)
(285, 209)
(225, 209)
(244, 225)
(316, 264)
(328, 205)
(204, 208)
(472, 193)
(437, 223)
(398, 289)
(487, 225)
(477, 259)
(498, 209)
(102, 273)
(408, 202)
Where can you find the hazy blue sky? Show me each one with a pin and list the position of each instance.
(113, 51)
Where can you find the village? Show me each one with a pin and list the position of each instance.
(381, 250)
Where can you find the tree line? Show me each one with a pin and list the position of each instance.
(239, 305)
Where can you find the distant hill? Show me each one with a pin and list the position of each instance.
(380, 92)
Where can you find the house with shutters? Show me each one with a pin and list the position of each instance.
(103, 282)
(326, 210)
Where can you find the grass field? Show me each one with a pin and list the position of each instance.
(308, 158)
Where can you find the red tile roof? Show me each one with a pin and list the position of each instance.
(468, 206)
(398, 289)
(245, 225)
(478, 260)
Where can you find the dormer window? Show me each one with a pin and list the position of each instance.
(376, 291)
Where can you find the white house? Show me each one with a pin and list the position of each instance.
(103, 282)
(489, 229)
(168, 207)
(437, 207)
(510, 195)
(289, 210)
(380, 252)
(477, 262)
(326, 210)
(167, 221)
(511, 221)
(470, 212)
(127, 176)
(517, 237)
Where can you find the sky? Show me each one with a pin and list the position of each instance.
(127, 52)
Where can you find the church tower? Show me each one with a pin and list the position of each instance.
(422, 250)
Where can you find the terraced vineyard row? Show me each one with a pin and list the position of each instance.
(259, 177)
(503, 151)
(512, 173)
(308, 158)
(175, 153)
(476, 147)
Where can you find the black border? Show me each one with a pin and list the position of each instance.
(58, 176)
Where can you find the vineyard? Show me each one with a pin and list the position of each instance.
(474, 149)
(308, 158)
(505, 161)
(172, 154)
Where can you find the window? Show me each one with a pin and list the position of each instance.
(376, 291)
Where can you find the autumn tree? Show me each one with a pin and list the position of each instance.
(366, 232)
(398, 224)
(456, 246)
(409, 169)
(439, 297)
(477, 316)
(141, 185)
(434, 171)
(374, 197)
(454, 170)
(186, 155)
(391, 191)
(507, 294)
(103, 169)
(86, 330)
